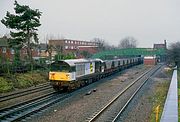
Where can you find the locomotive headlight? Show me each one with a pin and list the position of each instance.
(52, 76)
(68, 76)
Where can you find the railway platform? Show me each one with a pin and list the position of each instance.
(170, 111)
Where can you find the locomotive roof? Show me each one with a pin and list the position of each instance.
(72, 62)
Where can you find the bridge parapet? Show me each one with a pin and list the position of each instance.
(170, 111)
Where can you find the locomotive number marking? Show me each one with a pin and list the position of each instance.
(91, 67)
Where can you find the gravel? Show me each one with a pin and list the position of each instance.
(140, 109)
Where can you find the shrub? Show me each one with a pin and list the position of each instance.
(5, 86)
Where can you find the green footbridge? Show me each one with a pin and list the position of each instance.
(131, 52)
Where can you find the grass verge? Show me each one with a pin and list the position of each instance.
(178, 73)
(11, 82)
(159, 97)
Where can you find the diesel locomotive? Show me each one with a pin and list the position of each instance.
(74, 73)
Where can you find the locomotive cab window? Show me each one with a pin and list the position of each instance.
(60, 67)
(72, 69)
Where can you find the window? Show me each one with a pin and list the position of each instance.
(71, 42)
(66, 41)
(60, 67)
(71, 47)
(72, 69)
(12, 51)
(66, 47)
(3, 50)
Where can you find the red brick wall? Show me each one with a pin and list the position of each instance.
(150, 62)
(23, 53)
(91, 50)
(7, 55)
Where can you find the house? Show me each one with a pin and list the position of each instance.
(43, 50)
(162, 58)
(6, 53)
(158, 46)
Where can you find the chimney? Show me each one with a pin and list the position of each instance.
(165, 44)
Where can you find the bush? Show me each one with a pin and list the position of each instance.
(5, 86)
(30, 79)
(24, 81)
(9, 82)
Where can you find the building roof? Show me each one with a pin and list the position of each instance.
(69, 41)
(159, 45)
(73, 62)
(149, 57)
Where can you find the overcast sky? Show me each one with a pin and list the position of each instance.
(149, 21)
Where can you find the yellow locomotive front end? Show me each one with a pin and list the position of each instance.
(61, 75)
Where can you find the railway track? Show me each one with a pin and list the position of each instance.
(36, 89)
(113, 110)
(28, 108)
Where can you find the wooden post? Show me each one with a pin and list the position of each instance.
(157, 113)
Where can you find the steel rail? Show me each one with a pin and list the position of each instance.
(25, 92)
(6, 110)
(28, 109)
(97, 114)
(131, 98)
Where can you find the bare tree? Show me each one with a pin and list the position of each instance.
(49, 48)
(174, 53)
(102, 44)
(128, 42)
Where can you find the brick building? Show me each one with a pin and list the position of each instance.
(66, 46)
(157, 46)
(43, 50)
(150, 60)
(161, 58)
(7, 53)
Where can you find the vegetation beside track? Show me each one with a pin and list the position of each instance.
(178, 72)
(159, 97)
(11, 82)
